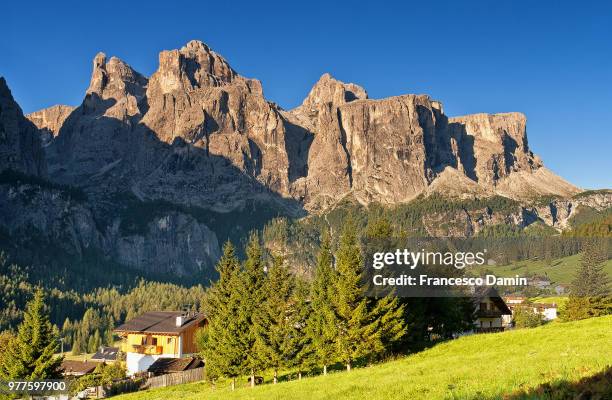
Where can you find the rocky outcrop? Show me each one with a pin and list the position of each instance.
(195, 133)
(37, 214)
(36, 217)
(391, 150)
(49, 121)
(20, 148)
(556, 213)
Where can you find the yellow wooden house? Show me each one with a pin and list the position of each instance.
(158, 334)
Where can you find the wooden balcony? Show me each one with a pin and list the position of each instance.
(146, 349)
(489, 313)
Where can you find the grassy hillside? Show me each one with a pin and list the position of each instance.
(561, 270)
(475, 367)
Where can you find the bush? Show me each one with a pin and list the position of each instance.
(525, 317)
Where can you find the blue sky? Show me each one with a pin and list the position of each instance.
(551, 60)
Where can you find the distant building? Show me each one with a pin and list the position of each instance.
(106, 354)
(562, 288)
(540, 282)
(515, 300)
(78, 368)
(490, 311)
(158, 334)
(546, 310)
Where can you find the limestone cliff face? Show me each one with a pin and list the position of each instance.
(49, 121)
(556, 213)
(195, 133)
(20, 148)
(172, 243)
(198, 133)
(391, 150)
(36, 213)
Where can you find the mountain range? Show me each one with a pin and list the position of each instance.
(153, 172)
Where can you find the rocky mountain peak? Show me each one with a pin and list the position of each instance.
(50, 120)
(330, 90)
(108, 78)
(20, 147)
(114, 85)
(194, 66)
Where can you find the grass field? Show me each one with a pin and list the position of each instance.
(561, 270)
(558, 300)
(491, 366)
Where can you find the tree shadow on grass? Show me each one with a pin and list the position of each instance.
(595, 387)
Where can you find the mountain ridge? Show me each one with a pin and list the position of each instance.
(197, 97)
(196, 144)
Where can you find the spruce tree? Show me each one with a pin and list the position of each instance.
(388, 317)
(277, 340)
(219, 343)
(387, 310)
(590, 289)
(302, 309)
(357, 334)
(31, 354)
(251, 299)
(321, 329)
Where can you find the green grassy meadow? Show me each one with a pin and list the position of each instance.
(490, 366)
(561, 270)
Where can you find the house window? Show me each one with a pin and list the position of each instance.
(143, 340)
(483, 306)
(169, 340)
(154, 341)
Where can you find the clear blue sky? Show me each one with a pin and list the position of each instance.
(550, 60)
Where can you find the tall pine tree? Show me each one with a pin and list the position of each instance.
(31, 354)
(277, 341)
(590, 290)
(220, 342)
(251, 299)
(321, 329)
(357, 334)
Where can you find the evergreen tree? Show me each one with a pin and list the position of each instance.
(357, 335)
(387, 310)
(379, 228)
(251, 298)
(277, 340)
(321, 329)
(109, 338)
(388, 317)
(94, 342)
(77, 344)
(590, 289)
(31, 354)
(220, 342)
(304, 357)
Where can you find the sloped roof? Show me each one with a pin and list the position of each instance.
(78, 367)
(106, 354)
(168, 365)
(163, 322)
(489, 292)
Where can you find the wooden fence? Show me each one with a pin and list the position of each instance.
(132, 385)
(176, 378)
